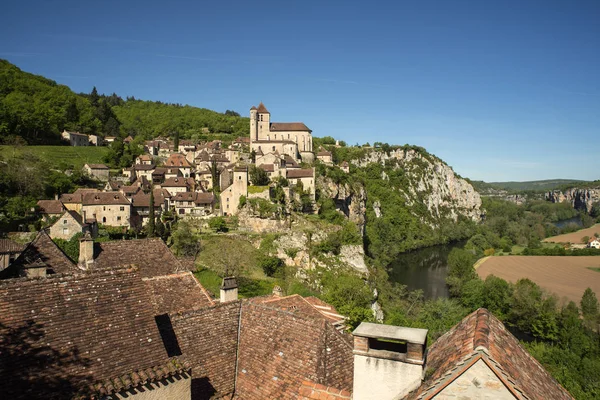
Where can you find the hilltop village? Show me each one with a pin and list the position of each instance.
(129, 320)
(184, 177)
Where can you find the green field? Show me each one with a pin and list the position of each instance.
(59, 157)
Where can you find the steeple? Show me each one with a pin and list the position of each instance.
(262, 109)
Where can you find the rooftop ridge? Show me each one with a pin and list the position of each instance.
(482, 330)
(64, 277)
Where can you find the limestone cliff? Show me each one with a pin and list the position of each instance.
(580, 199)
(350, 199)
(430, 181)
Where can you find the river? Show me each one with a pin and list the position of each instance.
(424, 269)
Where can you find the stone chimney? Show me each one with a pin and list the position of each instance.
(229, 289)
(86, 252)
(277, 291)
(389, 361)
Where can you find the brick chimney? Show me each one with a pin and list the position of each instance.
(229, 289)
(86, 252)
(389, 361)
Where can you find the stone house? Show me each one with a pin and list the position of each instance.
(178, 161)
(345, 167)
(230, 196)
(73, 201)
(50, 208)
(97, 171)
(145, 159)
(325, 156)
(71, 223)
(594, 243)
(140, 206)
(108, 140)
(76, 138)
(304, 176)
(179, 185)
(108, 208)
(193, 203)
(95, 140)
(9, 251)
(158, 175)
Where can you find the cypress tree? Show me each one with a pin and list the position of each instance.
(176, 142)
(151, 226)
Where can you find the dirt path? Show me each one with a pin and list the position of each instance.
(566, 276)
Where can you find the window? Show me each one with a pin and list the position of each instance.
(189, 203)
(118, 218)
(65, 231)
(273, 148)
(104, 219)
(288, 135)
(64, 221)
(122, 208)
(103, 208)
(181, 211)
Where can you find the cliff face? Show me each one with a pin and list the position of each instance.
(580, 199)
(349, 199)
(430, 182)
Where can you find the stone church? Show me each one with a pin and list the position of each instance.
(291, 138)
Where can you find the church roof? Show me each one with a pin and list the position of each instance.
(262, 109)
(288, 126)
(252, 108)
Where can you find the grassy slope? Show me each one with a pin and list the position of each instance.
(59, 156)
(549, 184)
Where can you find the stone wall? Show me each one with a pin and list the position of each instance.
(65, 228)
(478, 382)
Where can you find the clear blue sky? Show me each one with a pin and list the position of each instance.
(501, 90)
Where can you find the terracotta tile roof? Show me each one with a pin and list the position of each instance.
(142, 199)
(77, 195)
(10, 246)
(203, 156)
(289, 161)
(143, 167)
(176, 182)
(159, 171)
(41, 252)
(145, 157)
(196, 197)
(104, 198)
(480, 335)
(315, 391)
(50, 206)
(177, 160)
(288, 126)
(253, 108)
(208, 339)
(267, 167)
(76, 330)
(97, 166)
(115, 185)
(300, 173)
(285, 342)
(242, 139)
(262, 109)
(129, 190)
(324, 153)
(177, 293)
(151, 256)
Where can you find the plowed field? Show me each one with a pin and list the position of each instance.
(574, 237)
(566, 276)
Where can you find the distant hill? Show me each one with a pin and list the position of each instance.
(37, 109)
(531, 186)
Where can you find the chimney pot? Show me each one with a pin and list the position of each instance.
(86, 252)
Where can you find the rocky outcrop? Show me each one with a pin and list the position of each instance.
(431, 181)
(354, 256)
(580, 199)
(350, 200)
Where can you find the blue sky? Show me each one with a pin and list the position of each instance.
(500, 90)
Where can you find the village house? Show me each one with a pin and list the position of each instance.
(140, 206)
(108, 140)
(73, 201)
(158, 175)
(305, 177)
(128, 139)
(97, 171)
(50, 208)
(76, 138)
(144, 159)
(594, 243)
(95, 140)
(108, 208)
(9, 251)
(71, 223)
(139, 171)
(345, 167)
(179, 185)
(291, 138)
(178, 161)
(193, 203)
(230, 196)
(325, 157)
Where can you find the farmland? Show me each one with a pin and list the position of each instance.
(59, 157)
(574, 237)
(565, 276)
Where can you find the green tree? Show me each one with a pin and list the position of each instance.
(218, 224)
(271, 265)
(185, 241)
(176, 141)
(460, 270)
(258, 176)
(151, 229)
(589, 305)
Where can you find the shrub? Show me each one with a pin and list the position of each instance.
(271, 265)
(218, 224)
